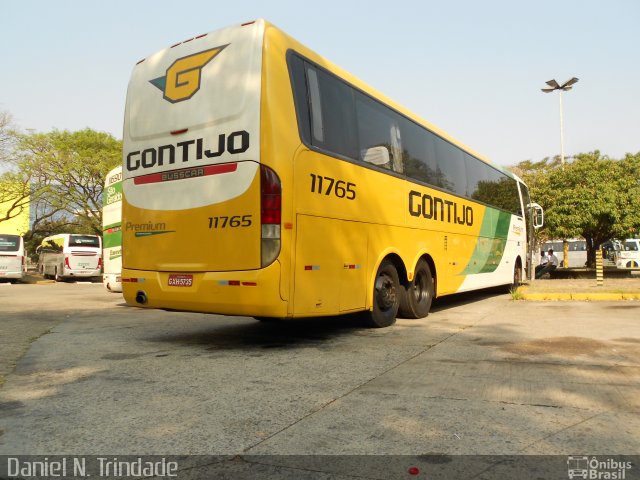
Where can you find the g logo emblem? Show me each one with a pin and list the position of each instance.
(182, 79)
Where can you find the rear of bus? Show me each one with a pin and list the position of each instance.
(12, 258)
(82, 256)
(201, 213)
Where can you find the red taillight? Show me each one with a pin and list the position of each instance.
(270, 197)
(100, 262)
(66, 262)
(270, 215)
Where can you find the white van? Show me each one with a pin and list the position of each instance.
(629, 254)
(13, 264)
(69, 255)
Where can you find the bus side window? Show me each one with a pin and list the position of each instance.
(317, 128)
(332, 114)
(378, 126)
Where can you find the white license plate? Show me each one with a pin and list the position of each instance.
(180, 280)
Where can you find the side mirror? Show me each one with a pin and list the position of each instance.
(376, 155)
(538, 215)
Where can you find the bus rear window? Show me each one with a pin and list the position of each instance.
(9, 243)
(84, 241)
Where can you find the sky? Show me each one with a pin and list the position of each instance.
(472, 68)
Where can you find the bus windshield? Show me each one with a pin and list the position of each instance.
(84, 241)
(9, 243)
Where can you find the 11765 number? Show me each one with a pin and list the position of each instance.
(327, 186)
(230, 222)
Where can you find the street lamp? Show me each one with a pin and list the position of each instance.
(566, 86)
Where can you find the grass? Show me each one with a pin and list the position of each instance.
(516, 293)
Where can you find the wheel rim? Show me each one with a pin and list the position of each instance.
(386, 294)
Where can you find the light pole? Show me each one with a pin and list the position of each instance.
(566, 86)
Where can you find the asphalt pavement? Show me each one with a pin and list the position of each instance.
(481, 375)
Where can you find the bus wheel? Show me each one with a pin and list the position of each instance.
(517, 274)
(57, 277)
(386, 296)
(517, 277)
(418, 294)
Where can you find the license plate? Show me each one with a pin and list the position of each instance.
(180, 280)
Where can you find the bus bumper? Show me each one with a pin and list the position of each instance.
(246, 293)
(81, 273)
(111, 282)
(12, 275)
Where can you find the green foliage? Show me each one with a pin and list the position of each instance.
(67, 171)
(592, 196)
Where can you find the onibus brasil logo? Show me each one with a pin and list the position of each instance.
(583, 466)
(182, 78)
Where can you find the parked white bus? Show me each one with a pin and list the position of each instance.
(577, 252)
(112, 230)
(69, 255)
(12, 258)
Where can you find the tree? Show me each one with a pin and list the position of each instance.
(15, 189)
(6, 133)
(14, 195)
(66, 171)
(593, 196)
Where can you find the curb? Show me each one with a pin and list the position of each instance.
(593, 296)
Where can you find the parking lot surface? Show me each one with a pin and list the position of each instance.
(481, 375)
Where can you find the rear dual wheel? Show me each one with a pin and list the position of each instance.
(417, 295)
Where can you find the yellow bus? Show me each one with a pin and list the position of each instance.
(260, 179)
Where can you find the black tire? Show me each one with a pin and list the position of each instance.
(386, 296)
(517, 275)
(417, 295)
(517, 278)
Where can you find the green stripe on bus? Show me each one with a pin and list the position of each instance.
(491, 242)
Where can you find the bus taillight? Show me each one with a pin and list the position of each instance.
(270, 215)
(66, 262)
